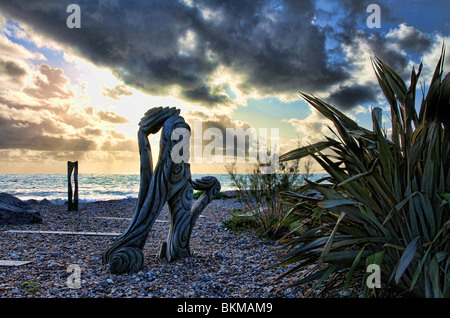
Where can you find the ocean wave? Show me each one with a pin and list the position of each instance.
(91, 187)
(60, 201)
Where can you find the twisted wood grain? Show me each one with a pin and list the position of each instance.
(170, 182)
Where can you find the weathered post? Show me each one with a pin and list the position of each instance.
(377, 113)
(72, 167)
(170, 182)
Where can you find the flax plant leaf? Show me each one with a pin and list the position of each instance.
(407, 257)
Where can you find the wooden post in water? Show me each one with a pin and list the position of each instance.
(71, 166)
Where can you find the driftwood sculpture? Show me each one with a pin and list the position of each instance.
(170, 182)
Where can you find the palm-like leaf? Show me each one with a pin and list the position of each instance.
(386, 199)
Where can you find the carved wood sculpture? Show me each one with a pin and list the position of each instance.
(169, 182)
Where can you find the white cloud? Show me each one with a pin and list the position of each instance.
(27, 33)
(359, 56)
(187, 43)
(51, 116)
(431, 58)
(46, 123)
(312, 128)
(9, 49)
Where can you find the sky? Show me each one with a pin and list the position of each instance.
(70, 94)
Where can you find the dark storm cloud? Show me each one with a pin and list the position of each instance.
(11, 73)
(351, 34)
(204, 93)
(410, 39)
(138, 40)
(12, 69)
(349, 96)
(276, 47)
(272, 43)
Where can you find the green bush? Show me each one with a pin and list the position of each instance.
(259, 192)
(387, 198)
(240, 221)
(219, 196)
(30, 287)
(197, 194)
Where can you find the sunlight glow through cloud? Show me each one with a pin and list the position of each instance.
(79, 94)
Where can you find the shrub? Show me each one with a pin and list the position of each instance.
(387, 198)
(30, 287)
(241, 222)
(259, 193)
(219, 196)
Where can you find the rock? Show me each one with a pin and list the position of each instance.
(31, 201)
(45, 202)
(15, 211)
(12, 200)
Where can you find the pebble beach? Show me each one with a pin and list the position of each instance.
(224, 264)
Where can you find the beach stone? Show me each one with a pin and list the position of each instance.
(45, 202)
(31, 201)
(15, 211)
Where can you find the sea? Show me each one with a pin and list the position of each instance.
(91, 187)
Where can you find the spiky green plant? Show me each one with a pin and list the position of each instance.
(387, 198)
